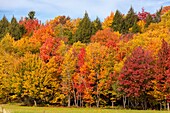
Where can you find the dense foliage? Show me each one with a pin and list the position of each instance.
(123, 61)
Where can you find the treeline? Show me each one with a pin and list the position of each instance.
(123, 61)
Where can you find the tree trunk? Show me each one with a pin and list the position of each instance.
(80, 101)
(75, 101)
(160, 106)
(35, 103)
(133, 106)
(97, 103)
(69, 100)
(98, 95)
(124, 101)
(112, 104)
(145, 104)
(168, 106)
(69, 88)
(142, 104)
(128, 102)
(165, 105)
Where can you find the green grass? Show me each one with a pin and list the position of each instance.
(22, 109)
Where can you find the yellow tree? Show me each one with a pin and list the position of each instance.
(8, 64)
(141, 24)
(95, 60)
(108, 21)
(24, 45)
(35, 81)
(7, 43)
(69, 70)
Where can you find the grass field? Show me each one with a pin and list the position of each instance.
(22, 109)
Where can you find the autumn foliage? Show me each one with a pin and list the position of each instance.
(137, 73)
(123, 61)
(106, 37)
(30, 25)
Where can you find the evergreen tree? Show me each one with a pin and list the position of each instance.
(22, 29)
(84, 30)
(31, 15)
(3, 27)
(96, 25)
(117, 21)
(135, 28)
(157, 18)
(15, 29)
(149, 20)
(131, 17)
(123, 28)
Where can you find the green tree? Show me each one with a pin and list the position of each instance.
(96, 25)
(158, 16)
(149, 20)
(3, 27)
(117, 21)
(123, 28)
(131, 17)
(136, 28)
(31, 15)
(84, 30)
(15, 29)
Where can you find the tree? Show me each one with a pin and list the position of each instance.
(71, 27)
(162, 71)
(96, 25)
(136, 76)
(106, 37)
(7, 43)
(53, 70)
(157, 17)
(30, 25)
(149, 20)
(143, 15)
(84, 30)
(69, 69)
(31, 15)
(4, 24)
(165, 9)
(24, 45)
(108, 21)
(130, 19)
(141, 24)
(97, 76)
(7, 70)
(49, 48)
(117, 21)
(59, 26)
(40, 35)
(37, 82)
(136, 28)
(15, 29)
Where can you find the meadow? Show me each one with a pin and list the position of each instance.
(24, 109)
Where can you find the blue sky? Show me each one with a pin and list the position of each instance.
(48, 9)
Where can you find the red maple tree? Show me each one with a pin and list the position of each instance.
(137, 73)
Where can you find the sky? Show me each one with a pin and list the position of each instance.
(49, 9)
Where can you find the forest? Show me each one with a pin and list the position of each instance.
(122, 61)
